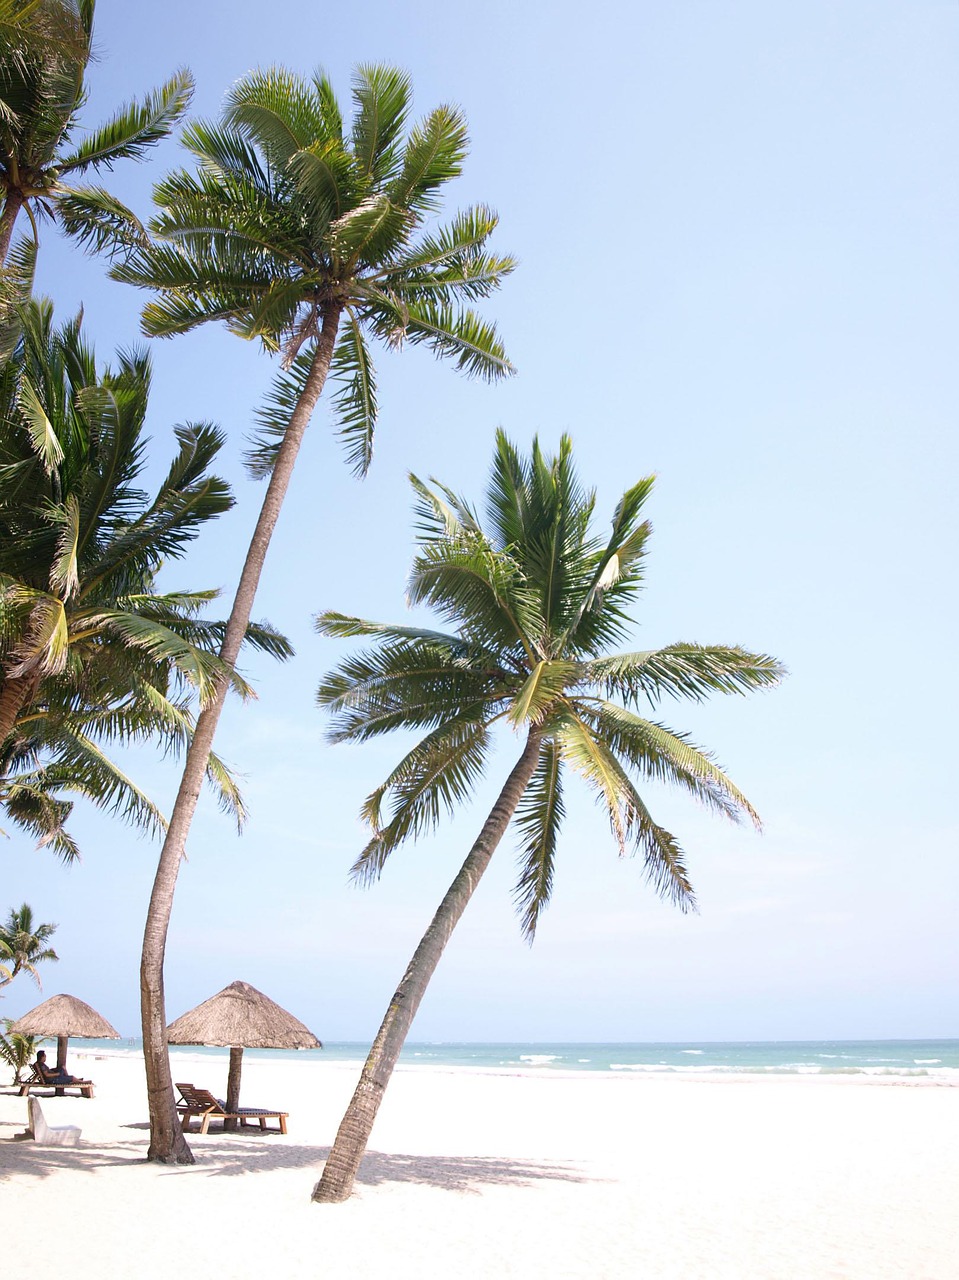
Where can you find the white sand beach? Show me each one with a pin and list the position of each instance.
(499, 1175)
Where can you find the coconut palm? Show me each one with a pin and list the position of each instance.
(309, 236)
(23, 945)
(534, 604)
(90, 651)
(46, 47)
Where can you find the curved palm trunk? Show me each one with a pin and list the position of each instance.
(353, 1134)
(11, 207)
(167, 1143)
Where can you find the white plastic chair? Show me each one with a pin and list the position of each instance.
(65, 1135)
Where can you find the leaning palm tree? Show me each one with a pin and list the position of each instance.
(45, 48)
(309, 236)
(91, 652)
(534, 603)
(23, 945)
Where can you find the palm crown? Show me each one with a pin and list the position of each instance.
(90, 650)
(535, 602)
(23, 945)
(310, 235)
(292, 221)
(42, 73)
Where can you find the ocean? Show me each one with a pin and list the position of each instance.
(936, 1059)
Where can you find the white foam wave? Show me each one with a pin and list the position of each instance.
(692, 1050)
(537, 1059)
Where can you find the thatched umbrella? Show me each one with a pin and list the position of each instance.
(64, 1016)
(240, 1016)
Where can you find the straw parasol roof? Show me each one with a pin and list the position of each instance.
(65, 1016)
(239, 1015)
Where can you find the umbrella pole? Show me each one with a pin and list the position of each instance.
(233, 1084)
(61, 1059)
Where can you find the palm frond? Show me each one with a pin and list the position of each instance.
(82, 767)
(273, 416)
(668, 756)
(437, 775)
(477, 589)
(434, 154)
(201, 669)
(538, 695)
(98, 221)
(630, 819)
(278, 112)
(355, 400)
(685, 671)
(227, 792)
(369, 232)
(135, 128)
(462, 336)
(28, 803)
(42, 434)
(539, 818)
(382, 96)
(64, 572)
(441, 514)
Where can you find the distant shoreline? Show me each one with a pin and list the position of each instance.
(891, 1061)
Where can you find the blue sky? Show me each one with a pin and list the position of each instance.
(736, 224)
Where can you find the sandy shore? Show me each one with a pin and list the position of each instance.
(473, 1175)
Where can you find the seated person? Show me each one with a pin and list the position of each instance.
(51, 1075)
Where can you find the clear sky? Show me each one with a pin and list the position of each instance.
(736, 223)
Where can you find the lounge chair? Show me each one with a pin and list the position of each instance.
(37, 1081)
(202, 1104)
(64, 1135)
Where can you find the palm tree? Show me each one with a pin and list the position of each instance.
(23, 946)
(310, 238)
(90, 651)
(535, 603)
(17, 1050)
(46, 47)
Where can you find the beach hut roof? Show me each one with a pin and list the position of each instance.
(239, 1015)
(65, 1016)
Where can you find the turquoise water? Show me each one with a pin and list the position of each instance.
(908, 1058)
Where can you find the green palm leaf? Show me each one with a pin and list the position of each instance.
(539, 819)
(382, 96)
(434, 154)
(135, 128)
(434, 777)
(355, 400)
(685, 671)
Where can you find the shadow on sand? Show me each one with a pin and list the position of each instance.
(230, 1155)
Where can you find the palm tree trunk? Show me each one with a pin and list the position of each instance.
(11, 207)
(15, 693)
(353, 1134)
(167, 1143)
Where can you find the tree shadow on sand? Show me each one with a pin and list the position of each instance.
(231, 1155)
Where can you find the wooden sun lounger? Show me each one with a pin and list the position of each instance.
(36, 1081)
(202, 1104)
